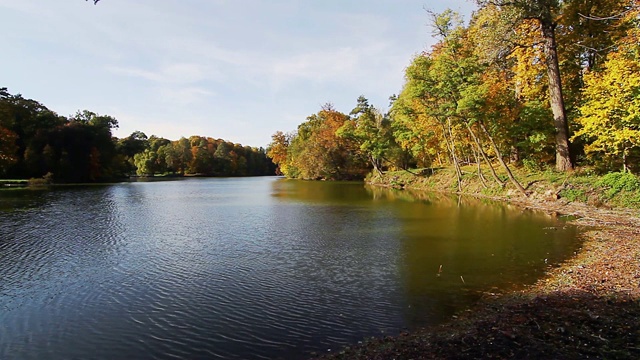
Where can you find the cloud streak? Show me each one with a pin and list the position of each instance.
(203, 66)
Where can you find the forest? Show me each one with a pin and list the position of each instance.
(37, 143)
(537, 85)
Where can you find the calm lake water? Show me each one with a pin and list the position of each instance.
(248, 268)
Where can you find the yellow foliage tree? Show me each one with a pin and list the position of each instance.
(277, 151)
(610, 115)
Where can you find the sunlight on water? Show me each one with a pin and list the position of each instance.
(249, 267)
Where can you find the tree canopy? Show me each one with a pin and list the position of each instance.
(36, 141)
(510, 88)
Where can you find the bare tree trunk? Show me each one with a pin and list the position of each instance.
(515, 155)
(514, 181)
(484, 156)
(479, 169)
(563, 154)
(448, 138)
(375, 164)
(456, 162)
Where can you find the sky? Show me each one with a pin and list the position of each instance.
(238, 70)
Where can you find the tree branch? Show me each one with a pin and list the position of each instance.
(612, 17)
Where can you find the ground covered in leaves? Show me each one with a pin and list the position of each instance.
(586, 308)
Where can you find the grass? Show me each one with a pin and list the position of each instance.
(13, 181)
(6, 183)
(582, 185)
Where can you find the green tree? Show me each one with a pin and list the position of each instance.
(146, 162)
(128, 147)
(223, 160)
(370, 131)
(8, 149)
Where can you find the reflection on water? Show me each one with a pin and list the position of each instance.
(249, 268)
(455, 248)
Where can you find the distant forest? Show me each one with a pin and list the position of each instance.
(543, 85)
(36, 142)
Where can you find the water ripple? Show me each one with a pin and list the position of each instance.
(220, 268)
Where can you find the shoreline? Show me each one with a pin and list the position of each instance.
(586, 307)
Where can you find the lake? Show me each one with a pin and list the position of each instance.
(249, 268)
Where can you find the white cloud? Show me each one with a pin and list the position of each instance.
(216, 68)
(184, 96)
(317, 65)
(135, 72)
(177, 73)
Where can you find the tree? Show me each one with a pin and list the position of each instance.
(370, 131)
(316, 151)
(545, 13)
(587, 31)
(416, 133)
(202, 161)
(146, 163)
(133, 144)
(277, 151)
(434, 84)
(8, 149)
(28, 120)
(610, 115)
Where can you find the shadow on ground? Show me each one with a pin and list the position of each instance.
(563, 325)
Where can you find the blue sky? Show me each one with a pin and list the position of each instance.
(238, 70)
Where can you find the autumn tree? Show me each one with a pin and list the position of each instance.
(587, 32)
(545, 13)
(277, 151)
(610, 115)
(316, 151)
(370, 130)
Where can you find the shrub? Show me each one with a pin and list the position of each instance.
(573, 194)
(531, 166)
(617, 182)
(45, 180)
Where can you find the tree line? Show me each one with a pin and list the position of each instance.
(543, 84)
(36, 142)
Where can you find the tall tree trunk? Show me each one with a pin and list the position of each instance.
(563, 155)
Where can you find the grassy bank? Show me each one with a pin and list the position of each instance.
(587, 307)
(13, 183)
(614, 190)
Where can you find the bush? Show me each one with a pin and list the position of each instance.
(531, 166)
(572, 194)
(45, 180)
(617, 182)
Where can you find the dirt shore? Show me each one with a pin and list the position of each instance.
(585, 308)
